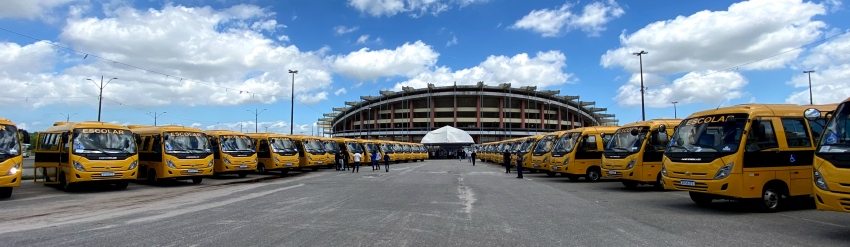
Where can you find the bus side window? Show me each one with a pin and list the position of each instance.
(213, 143)
(157, 144)
(589, 143)
(795, 133)
(300, 147)
(817, 128)
(48, 142)
(761, 136)
(264, 146)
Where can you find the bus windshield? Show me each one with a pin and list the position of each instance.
(567, 142)
(354, 147)
(406, 148)
(103, 141)
(313, 146)
(186, 142)
(544, 145)
(282, 145)
(526, 146)
(397, 148)
(236, 143)
(624, 141)
(371, 147)
(708, 134)
(515, 146)
(387, 148)
(836, 138)
(9, 144)
(331, 147)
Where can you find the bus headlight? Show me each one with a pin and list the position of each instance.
(525, 159)
(663, 169)
(567, 160)
(819, 181)
(255, 160)
(133, 165)
(545, 159)
(724, 171)
(170, 164)
(227, 161)
(79, 166)
(309, 158)
(276, 159)
(631, 164)
(210, 164)
(14, 170)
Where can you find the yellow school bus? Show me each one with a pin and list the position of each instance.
(70, 153)
(173, 152)
(752, 151)
(351, 147)
(399, 152)
(492, 149)
(333, 149)
(541, 153)
(369, 148)
(504, 145)
(578, 152)
(423, 152)
(233, 152)
(311, 152)
(408, 152)
(275, 152)
(832, 159)
(524, 147)
(513, 147)
(386, 147)
(11, 156)
(635, 151)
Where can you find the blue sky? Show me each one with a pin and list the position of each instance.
(197, 55)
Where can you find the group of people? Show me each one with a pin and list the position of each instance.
(341, 157)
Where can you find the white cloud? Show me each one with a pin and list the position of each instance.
(340, 30)
(709, 87)
(362, 39)
(452, 42)
(276, 126)
(418, 8)
(832, 52)
(546, 69)
(313, 99)
(718, 40)
(834, 5)
(266, 25)
(340, 91)
(407, 59)
(196, 43)
(555, 22)
(831, 85)
(283, 38)
(31, 9)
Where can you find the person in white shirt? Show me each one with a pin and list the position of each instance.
(356, 163)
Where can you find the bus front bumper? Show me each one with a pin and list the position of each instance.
(11, 181)
(78, 176)
(831, 201)
(727, 187)
(177, 173)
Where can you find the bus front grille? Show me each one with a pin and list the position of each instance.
(700, 187)
(98, 176)
(845, 203)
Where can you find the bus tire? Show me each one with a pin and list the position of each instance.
(630, 184)
(659, 185)
(314, 169)
(550, 174)
(63, 183)
(197, 180)
(122, 184)
(284, 171)
(152, 179)
(5, 192)
(701, 199)
(771, 198)
(261, 169)
(593, 174)
(243, 174)
(571, 177)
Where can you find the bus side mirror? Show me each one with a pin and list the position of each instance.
(634, 132)
(602, 134)
(812, 114)
(662, 128)
(25, 136)
(66, 136)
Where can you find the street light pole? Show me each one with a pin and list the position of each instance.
(256, 114)
(155, 116)
(809, 72)
(674, 109)
(292, 107)
(100, 97)
(68, 116)
(642, 109)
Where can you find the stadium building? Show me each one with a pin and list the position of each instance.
(487, 113)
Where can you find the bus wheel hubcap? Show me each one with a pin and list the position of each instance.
(771, 199)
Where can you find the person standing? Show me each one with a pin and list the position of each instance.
(507, 157)
(336, 158)
(387, 162)
(469, 155)
(376, 164)
(344, 158)
(519, 164)
(472, 157)
(356, 163)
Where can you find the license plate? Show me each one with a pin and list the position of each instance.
(612, 172)
(289, 164)
(243, 166)
(536, 165)
(688, 183)
(319, 162)
(107, 174)
(193, 170)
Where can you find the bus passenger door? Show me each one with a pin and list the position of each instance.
(48, 158)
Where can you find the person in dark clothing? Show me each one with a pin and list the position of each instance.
(473, 157)
(345, 159)
(387, 162)
(507, 157)
(336, 159)
(519, 164)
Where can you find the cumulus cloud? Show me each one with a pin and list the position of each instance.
(205, 45)
(340, 30)
(276, 126)
(832, 52)
(831, 80)
(417, 8)
(543, 70)
(407, 59)
(31, 9)
(312, 99)
(710, 87)
(452, 42)
(364, 39)
(555, 22)
(341, 91)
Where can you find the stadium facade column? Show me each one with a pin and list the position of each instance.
(522, 114)
(501, 113)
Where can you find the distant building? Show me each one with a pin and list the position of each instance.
(487, 113)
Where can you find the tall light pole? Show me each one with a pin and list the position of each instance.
(256, 116)
(674, 109)
(368, 128)
(642, 110)
(155, 116)
(68, 116)
(809, 72)
(292, 107)
(100, 98)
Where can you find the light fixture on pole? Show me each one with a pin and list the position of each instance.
(292, 107)
(642, 110)
(68, 116)
(809, 72)
(256, 114)
(674, 109)
(100, 97)
(155, 116)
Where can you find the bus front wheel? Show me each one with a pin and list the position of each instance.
(5, 192)
(197, 180)
(550, 174)
(152, 179)
(261, 169)
(701, 199)
(314, 169)
(771, 198)
(122, 184)
(63, 183)
(593, 174)
(243, 174)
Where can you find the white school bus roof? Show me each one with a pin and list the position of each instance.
(68, 126)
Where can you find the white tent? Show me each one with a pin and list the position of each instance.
(447, 135)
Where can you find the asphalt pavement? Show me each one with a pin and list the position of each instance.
(432, 203)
